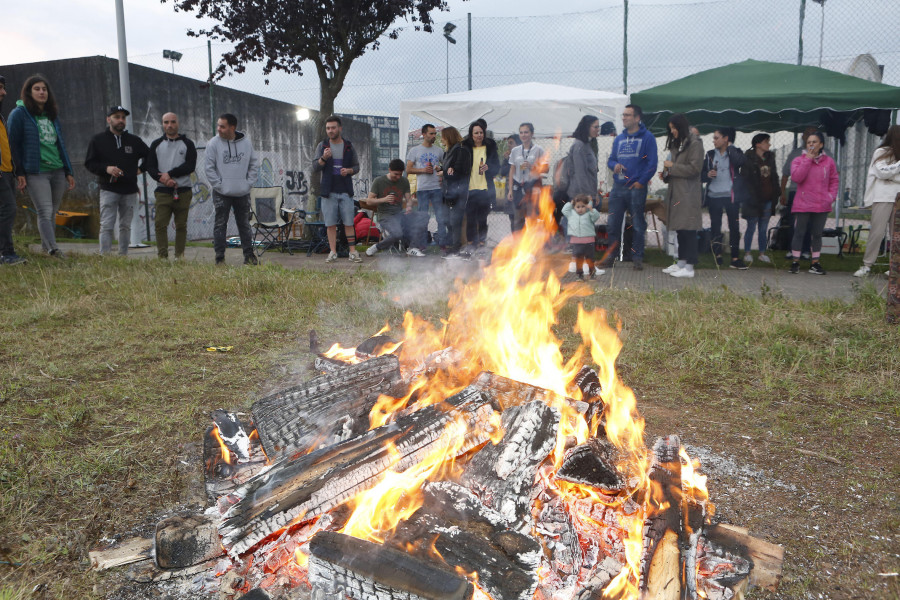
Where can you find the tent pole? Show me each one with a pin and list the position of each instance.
(470, 51)
(625, 52)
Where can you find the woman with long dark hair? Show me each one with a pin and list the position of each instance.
(584, 153)
(760, 175)
(42, 163)
(882, 186)
(817, 181)
(485, 165)
(682, 172)
(454, 186)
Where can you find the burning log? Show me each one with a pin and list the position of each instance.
(502, 476)
(186, 540)
(224, 469)
(593, 464)
(509, 392)
(662, 523)
(325, 410)
(341, 566)
(472, 538)
(766, 559)
(302, 487)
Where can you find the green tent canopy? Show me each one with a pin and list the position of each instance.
(764, 96)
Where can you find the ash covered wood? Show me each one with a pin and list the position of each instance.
(509, 392)
(325, 410)
(186, 540)
(718, 569)
(502, 476)
(593, 464)
(474, 538)
(221, 477)
(233, 433)
(302, 487)
(342, 566)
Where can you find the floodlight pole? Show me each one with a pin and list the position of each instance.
(802, 18)
(124, 82)
(470, 51)
(625, 53)
(822, 33)
(447, 86)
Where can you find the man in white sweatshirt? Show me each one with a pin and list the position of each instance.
(231, 170)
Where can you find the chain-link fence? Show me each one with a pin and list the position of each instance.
(589, 50)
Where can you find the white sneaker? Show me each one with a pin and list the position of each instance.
(354, 258)
(331, 257)
(862, 271)
(415, 252)
(765, 258)
(572, 267)
(748, 258)
(372, 250)
(683, 272)
(671, 268)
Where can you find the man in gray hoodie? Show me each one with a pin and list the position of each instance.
(231, 170)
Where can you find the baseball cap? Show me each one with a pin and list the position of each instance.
(118, 108)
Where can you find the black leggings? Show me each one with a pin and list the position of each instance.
(815, 224)
(687, 245)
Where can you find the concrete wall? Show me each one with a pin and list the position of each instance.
(86, 87)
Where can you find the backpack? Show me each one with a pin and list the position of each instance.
(563, 172)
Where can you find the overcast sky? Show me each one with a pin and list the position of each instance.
(513, 41)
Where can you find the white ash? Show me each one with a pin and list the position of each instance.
(721, 465)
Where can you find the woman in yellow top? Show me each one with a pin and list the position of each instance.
(485, 165)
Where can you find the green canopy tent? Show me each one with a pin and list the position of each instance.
(763, 96)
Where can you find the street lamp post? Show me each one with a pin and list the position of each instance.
(448, 29)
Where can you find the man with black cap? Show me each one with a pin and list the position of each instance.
(8, 254)
(116, 157)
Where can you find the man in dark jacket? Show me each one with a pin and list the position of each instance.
(724, 192)
(116, 157)
(8, 254)
(172, 159)
(337, 161)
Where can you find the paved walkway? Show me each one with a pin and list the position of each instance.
(755, 281)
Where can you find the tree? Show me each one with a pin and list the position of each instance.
(282, 34)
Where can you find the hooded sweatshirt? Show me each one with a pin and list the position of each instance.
(637, 153)
(231, 165)
(177, 157)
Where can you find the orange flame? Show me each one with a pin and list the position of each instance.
(398, 495)
(226, 453)
(338, 352)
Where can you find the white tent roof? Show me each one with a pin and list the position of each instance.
(554, 109)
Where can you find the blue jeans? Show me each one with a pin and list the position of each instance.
(434, 198)
(762, 223)
(731, 209)
(621, 199)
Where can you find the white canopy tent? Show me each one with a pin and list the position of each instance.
(553, 109)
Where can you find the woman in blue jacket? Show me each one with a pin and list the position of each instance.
(42, 163)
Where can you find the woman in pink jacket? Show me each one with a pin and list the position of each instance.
(817, 182)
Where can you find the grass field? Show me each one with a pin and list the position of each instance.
(105, 381)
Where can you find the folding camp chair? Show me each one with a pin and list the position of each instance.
(269, 218)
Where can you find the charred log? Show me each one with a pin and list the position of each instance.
(502, 475)
(341, 566)
(186, 540)
(470, 537)
(223, 477)
(302, 487)
(374, 346)
(509, 392)
(325, 410)
(593, 464)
